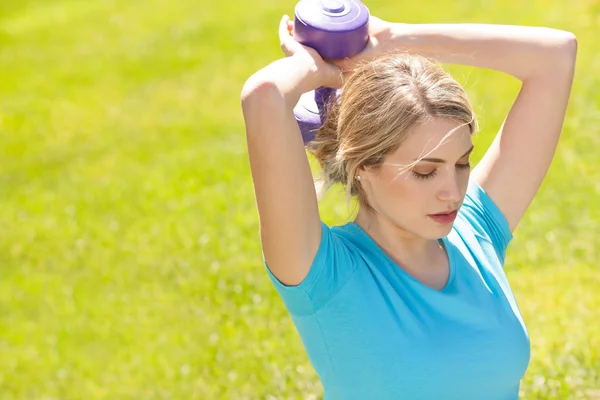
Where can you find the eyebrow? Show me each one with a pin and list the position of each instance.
(440, 161)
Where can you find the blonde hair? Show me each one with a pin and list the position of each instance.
(381, 101)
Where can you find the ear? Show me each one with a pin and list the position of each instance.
(362, 172)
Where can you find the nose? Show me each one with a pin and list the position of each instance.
(450, 190)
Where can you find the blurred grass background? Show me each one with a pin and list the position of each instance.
(129, 252)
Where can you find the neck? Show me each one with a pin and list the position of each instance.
(402, 246)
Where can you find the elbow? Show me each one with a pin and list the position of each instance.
(255, 88)
(568, 45)
(260, 99)
(566, 51)
(257, 95)
(557, 58)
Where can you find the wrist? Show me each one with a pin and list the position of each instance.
(400, 36)
(423, 40)
(299, 75)
(387, 36)
(304, 68)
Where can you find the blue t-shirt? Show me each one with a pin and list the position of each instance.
(372, 331)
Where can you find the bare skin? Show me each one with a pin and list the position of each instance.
(404, 198)
(542, 59)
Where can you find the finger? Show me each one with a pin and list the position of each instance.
(284, 35)
(283, 27)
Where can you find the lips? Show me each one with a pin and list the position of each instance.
(445, 213)
(444, 218)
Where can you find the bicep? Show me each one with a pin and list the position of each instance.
(516, 163)
(290, 225)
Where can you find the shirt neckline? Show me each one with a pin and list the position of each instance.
(448, 247)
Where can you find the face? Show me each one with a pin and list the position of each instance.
(409, 196)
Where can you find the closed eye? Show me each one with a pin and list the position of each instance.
(433, 173)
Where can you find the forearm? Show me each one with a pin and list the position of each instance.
(285, 79)
(523, 52)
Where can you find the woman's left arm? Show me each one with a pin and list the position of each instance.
(513, 168)
(515, 165)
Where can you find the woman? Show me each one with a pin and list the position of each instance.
(410, 300)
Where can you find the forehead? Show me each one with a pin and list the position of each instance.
(438, 138)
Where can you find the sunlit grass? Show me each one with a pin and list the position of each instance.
(129, 249)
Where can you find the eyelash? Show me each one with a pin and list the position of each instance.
(432, 174)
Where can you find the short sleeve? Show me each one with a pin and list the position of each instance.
(486, 219)
(331, 268)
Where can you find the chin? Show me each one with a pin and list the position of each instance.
(440, 232)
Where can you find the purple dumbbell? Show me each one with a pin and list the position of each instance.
(335, 29)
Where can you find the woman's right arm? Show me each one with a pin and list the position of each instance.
(290, 224)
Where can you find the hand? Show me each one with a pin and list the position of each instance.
(379, 35)
(327, 74)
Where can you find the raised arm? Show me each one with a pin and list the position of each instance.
(290, 225)
(515, 165)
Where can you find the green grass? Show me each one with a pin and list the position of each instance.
(130, 262)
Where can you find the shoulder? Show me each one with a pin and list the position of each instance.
(480, 217)
(333, 265)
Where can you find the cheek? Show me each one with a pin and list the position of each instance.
(464, 181)
(402, 192)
